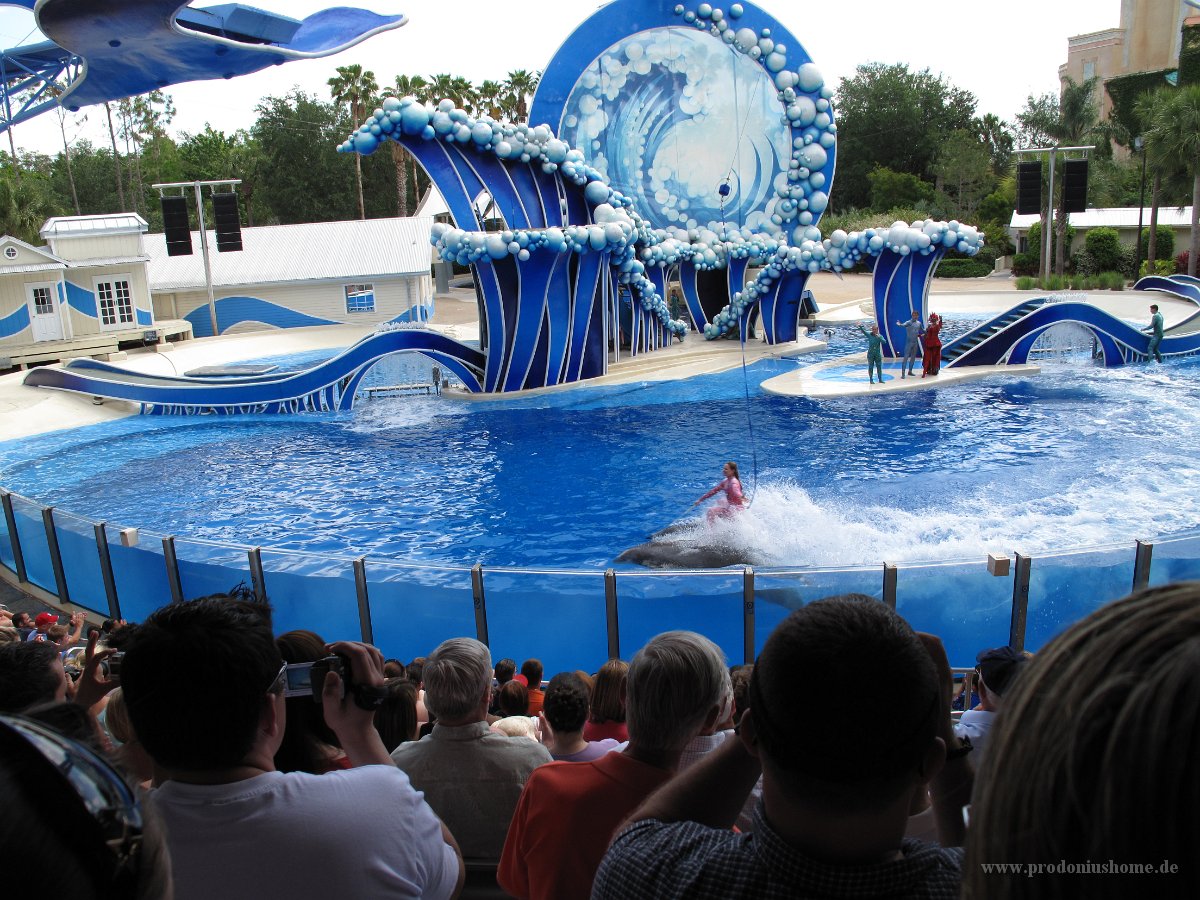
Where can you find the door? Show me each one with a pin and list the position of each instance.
(43, 312)
(114, 303)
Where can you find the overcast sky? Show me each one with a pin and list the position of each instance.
(1000, 52)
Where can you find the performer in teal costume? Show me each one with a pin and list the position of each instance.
(874, 352)
(1156, 333)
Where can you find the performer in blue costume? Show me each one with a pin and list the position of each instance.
(1156, 333)
(912, 343)
(874, 352)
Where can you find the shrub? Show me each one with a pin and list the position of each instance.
(1127, 263)
(1026, 264)
(1104, 247)
(1111, 281)
(1181, 262)
(1055, 283)
(963, 268)
(1026, 283)
(1083, 263)
(1164, 244)
(1161, 267)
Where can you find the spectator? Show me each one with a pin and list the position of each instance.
(516, 726)
(128, 752)
(23, 623)
(71, 828)
(998, 669)
(204, 683)
(607, 716)
(414, 671)
(502, 675)
(471, 776)
(532, 670)
(514, 700)
(30, 673)
(393, 668)
(309, 744)
(563, 715)
(835, 798)
(396, 719)
(1093, 759)
(740, 677)
(569, 811)
(9, 635)
(587, 681)
(41, 624)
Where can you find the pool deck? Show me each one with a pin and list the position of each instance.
(26, 411)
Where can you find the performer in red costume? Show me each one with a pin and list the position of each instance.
(932, 362)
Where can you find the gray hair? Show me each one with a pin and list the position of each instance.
(456, 676)
(674, 682)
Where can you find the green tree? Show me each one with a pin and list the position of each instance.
(406, 86)
(890, 189)
(1166, 170)
(963, 168)
(997, 137)
(519, 86)
(1078, 118)
(889, 116)
(24, 206)
(354, 86)
(1175, 133)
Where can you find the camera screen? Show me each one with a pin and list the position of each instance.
(299, 680)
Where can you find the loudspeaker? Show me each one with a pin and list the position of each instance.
(1075, 176)
(176, 228)
(1029, 188)
(228, 224)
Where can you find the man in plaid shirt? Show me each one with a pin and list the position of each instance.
(838, 781)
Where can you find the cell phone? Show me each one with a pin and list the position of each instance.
(110, 667)
(308, 679)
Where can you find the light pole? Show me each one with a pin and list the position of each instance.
(1140, 146)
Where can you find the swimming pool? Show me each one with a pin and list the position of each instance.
(1076, 457)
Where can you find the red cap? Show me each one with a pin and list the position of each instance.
(45, 618)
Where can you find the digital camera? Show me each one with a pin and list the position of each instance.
(110, 667)
(308, 679)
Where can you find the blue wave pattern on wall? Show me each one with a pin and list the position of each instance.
(81, 300)
(14, 323)
(235, 310)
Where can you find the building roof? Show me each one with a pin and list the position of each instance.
(1117, 217)
(80, 226)
(319, 251)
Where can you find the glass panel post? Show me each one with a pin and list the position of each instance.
(748, 615)
(889, 584)
(1020, 602)
(259, 580)
(612, 625)
(364, 605)
(172, 564)
(60, 575)
(106, 570)
(481, 625)
(14, 538)
(1141, 565)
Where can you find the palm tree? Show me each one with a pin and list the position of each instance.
(521, 85)
(406, 86)
(353, 86)
(112, 133)
(1078, 119)
(489, 98)
(1175, 131)
(1147, 109)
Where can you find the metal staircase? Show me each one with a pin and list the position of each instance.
(972, 339)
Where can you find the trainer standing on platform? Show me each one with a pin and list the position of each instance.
(1156, 333)
(912, 343)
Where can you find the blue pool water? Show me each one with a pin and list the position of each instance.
(1077, 456)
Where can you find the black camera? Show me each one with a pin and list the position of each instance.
(308, 679)
(110, 666)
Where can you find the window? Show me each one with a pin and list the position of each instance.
(114, 302)
(10, 252)
(43, 302)
(1089, 70)
(360, 298)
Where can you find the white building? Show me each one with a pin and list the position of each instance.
(1123, 218)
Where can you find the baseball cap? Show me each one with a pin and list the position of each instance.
(45, 618)
(998, 667)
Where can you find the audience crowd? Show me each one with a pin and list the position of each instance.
(199, 754)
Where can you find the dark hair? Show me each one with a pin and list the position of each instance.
(504, 671)
(195, 677)
(606, 692)
(393, 668)
(396, 719)
(740, 677)
(532, 670)
(305, 734)
(416, 670)
(26, 676)
(514, 699)
(566, 703)
(814, 662)
(1094, 756)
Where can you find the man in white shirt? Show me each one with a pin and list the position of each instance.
(998, 669)
(204, 684)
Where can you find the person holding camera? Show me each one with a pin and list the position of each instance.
(237, 827)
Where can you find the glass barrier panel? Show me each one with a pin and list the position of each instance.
(558, 618)
(415, 609)
(7, 559)
(1063, 588)
(312, 592)
(140, 572)
(32, 533)
(960, 602)
(778, 593)
(206, 568)
(1175, 559)
(709, 603)
(81, 561)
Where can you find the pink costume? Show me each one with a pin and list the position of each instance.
(733, 498)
